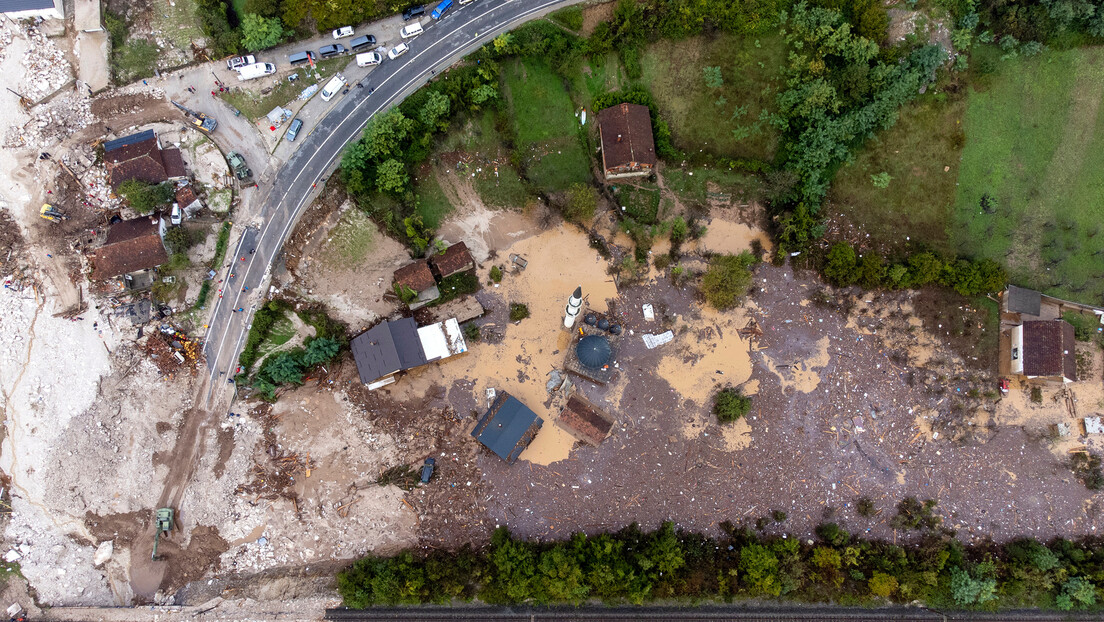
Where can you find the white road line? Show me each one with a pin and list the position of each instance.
(303, 168)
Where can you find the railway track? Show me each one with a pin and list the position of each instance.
(688, 614)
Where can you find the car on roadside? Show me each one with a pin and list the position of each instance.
(237, 62)
(362, 43)
(367, 59)
(341, 33)
(410, 13)
(332, 87)
(293, 129)
(410, 31)
(398, 51)
(329, 51)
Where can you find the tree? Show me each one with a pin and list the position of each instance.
(975, 588)
(320, 350)
(727, 280)
(582, 201)
(760, 569)
(882, 584)
(731, 404)
(391, 177)
(1076, 592)
(503, 44)
(177, 240)
(481, 94)
(260, 33)
(144, 197)
(840, 269)
(385, 135)
(284, 368)
(417, 234)
(713, 77)
(434, 114)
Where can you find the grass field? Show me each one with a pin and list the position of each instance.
(432, 204)
(723, 121)
(695, 187)
(921, 155)
(545, 126)
(1032, 173)
(596, 76)
(350, 241)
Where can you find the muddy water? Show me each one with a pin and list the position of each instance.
(800, 375)
(727, 237)
(484, 230)
(708, 354)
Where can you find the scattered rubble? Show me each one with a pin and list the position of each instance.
(46, 68)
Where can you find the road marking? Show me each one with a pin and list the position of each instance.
(303, 168)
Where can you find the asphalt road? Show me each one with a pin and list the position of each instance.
(294, 185)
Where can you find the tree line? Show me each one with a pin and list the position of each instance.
(633, 566)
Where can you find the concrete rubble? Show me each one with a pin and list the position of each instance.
(47, 69)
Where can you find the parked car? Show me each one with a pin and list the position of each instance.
(363, 42)
(368, 59)
(293, 129)
(332, 87)
(398, 51)
(439, 12)
(427, 470)
(301, 57)
(411, 30)
(341, 33)
(177, 216)
(410, 13)
(329, 51)
(238, 62)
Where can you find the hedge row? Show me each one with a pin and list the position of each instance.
(846, 266)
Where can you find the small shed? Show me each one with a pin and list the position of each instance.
(507, 427)
(1022, 300)
(455, 259)
(628, 148)
(584, 421)
(418, 277)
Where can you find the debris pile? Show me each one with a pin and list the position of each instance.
(276, 477)
(51, 122)
(47, 70)
(5, 42)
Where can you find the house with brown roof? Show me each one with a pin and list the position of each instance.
(628, 148)
(585, 421)
(1044, 349)
(131, 248)
(140, 156)
(455, 259)
(187, 200)
(417, 277)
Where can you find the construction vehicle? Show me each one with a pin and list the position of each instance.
(237, 164)
(199, 120)
(50, 213)
(163, 522)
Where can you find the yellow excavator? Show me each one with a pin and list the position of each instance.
(50, 213)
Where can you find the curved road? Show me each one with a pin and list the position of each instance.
(459, 32)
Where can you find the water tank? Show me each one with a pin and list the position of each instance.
(603, 324)
(615, 329)
(593, 351)
(590, 319)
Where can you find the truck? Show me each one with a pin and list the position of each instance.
(256, 70)
(199, 120)
(237, 164)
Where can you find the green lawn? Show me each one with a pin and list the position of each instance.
(504, 190)
(432, 204)
(1032, 174)
(350, 241)
(254, 105)
(640, 203)
(597, 76)
(915, 152)
(695, 187)
(723, 121)
(545, 126)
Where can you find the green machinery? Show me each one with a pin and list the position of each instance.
(164, 524)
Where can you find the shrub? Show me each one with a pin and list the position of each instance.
(582, 201)
(865, 507)
(841, 267)
(730, 404)
(471, 332)
(1079, 592)
(882, 584)
(144, 197)
(518, 311)
(1087, 467)
(911, 514)
(728, 279)
(178, 240)
(496, 274)
(833, 534)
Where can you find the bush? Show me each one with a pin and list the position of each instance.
(882, 585)
(865, 507)
(1084, 326)
(471, 332)
(457, 285)
(178, 240)
(911, 514)
(496, 274)
(1087, 467)
(570, 17)
(582, 201)
(144, 197)
(730, 404)
(727, 280)
(518, 311)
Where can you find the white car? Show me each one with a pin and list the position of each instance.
(368, 59)
(177, 217)
(332, 87)
(239, 61)
(341, 33)
(398, 51)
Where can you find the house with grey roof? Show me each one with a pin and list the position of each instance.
(393, 346)
(22, 9)
(507, 427)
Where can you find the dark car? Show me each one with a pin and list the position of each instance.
(293, 129)
(427, 470)
(301, 57)
(361, 43)
(332, 50)
(414, 11)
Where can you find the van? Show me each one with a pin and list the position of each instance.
(398, 51)
(362, 43)
(341, 33)
(256, 70)
(333, 87)
(411, 30)
(299, 58)
(414, 11)
(441, 8)
(329, 51)
(293, 129)
(368, 59)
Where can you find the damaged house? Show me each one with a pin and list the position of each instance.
(391, 347)
(140, 156)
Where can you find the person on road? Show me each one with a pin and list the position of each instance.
(242, 258)
(245, 289)
(252, 250)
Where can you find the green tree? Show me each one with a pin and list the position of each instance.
(385, 135)
(434, 113)
(144, 197)
(320, 350)
(417, 234)
(513, 569)
(261, 33)
(1076, 592)
(870, 270)
(582, 201)
(481, 94)
(760, 570)
(727, 280)
(976, 588)
(713, 77)
(177, 240)
(391, 177)
(560, 577)
(504, 44)
(882, 584)
(731, 404)
(840, 268)
(284, 367)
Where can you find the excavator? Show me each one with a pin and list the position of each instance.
(163, 522)
(50, 213)
(199, 120)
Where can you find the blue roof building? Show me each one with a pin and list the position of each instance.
(507, 427)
